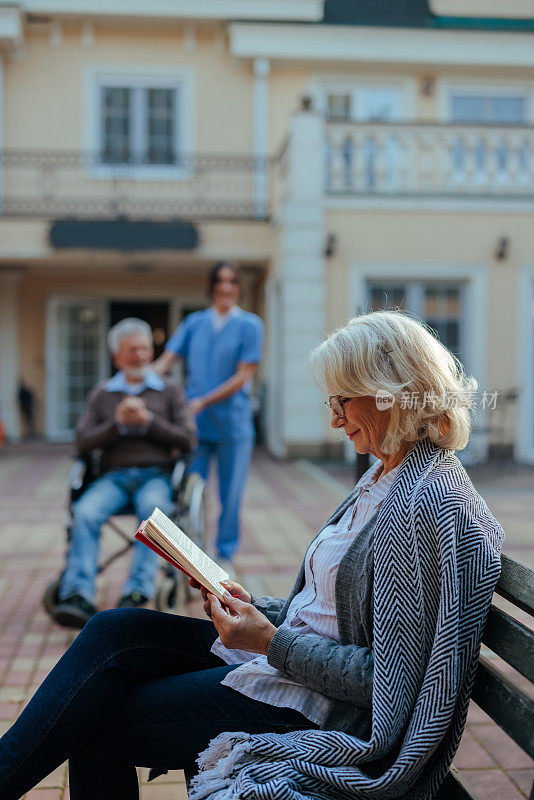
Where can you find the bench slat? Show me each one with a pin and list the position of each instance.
(454, 787)
(511, 640)
(505, 703)
(516, 584)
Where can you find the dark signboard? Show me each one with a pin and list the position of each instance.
(123, 235)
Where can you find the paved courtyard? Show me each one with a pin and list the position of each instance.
(285, 503)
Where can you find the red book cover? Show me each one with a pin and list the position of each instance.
(153, 546)
(142, 538)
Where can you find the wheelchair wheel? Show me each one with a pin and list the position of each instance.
(50, 597)
(173, 594)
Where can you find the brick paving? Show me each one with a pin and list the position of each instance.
(285, 503)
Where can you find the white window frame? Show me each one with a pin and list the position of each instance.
(182, 79)
(446, 89)
(474, 321)
(524, 443)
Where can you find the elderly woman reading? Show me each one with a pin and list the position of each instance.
(358, 683)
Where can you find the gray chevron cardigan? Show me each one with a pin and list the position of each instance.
(436, 562)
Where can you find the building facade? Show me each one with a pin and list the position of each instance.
(347, 155)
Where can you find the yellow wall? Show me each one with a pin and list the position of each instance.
(435, 240)
(45, 95)
(44, 90)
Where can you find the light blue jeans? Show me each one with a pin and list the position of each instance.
(143, 488)
(233, 461)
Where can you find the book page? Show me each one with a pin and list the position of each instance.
(202, 563)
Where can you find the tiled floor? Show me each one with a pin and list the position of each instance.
(285, 503)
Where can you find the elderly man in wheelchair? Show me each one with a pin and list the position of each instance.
(139, 423)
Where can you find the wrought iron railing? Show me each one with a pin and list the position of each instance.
(429, 160)
(55, 184)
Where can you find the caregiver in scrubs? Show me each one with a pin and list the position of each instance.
(221, 347)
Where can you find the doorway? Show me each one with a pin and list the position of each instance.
(77, 353)
(155, 313)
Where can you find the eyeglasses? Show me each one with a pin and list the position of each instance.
(336, 403)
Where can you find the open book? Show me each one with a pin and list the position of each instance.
(167, 540)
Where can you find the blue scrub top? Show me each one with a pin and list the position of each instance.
(211, 358)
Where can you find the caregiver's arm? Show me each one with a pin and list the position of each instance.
(343, 672)
(165, 361)
(245, 371)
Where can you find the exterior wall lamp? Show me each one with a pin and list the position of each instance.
(502, 248)
(331, 245)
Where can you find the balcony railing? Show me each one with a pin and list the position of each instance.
(55, 184)
(429, 160)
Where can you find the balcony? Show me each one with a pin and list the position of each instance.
(55, 184)
(422, 160)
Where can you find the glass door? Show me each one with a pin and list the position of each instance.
(487, 157)
(381, 150)
(370, 159)
(75, 361)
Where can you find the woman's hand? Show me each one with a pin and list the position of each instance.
(235, 589)
(240, 625)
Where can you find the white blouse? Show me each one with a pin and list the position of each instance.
(312, 610)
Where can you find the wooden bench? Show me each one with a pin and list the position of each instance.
(495, 693)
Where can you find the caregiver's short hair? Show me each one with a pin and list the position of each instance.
(127, 327)
(393, 352)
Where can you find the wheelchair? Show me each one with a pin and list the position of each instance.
(189, 497)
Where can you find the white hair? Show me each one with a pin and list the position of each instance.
(393, 352)
(127, 327)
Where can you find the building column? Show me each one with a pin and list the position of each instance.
(9, 353)
(1, 130)
(260, 132)
(301, 284)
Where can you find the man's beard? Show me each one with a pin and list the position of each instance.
(136, 373)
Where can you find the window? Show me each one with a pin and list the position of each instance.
(362, 103)
(161, 112)
(493, 108)
(139, 120)
(439, 304)
(339, 106)
(116, 125)
(138, 125)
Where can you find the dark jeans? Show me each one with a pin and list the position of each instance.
(135, 688)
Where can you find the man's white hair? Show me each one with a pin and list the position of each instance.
(127, 327)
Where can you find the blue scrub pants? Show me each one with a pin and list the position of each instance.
(144, 488)
(233, 461)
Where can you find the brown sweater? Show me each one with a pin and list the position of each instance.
(171, 432)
